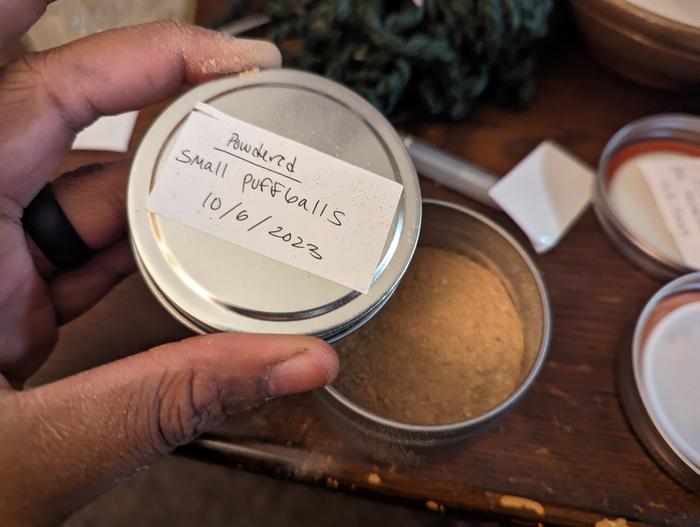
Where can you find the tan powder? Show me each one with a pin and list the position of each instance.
(446, 347)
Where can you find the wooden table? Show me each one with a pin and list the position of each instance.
(566, 449)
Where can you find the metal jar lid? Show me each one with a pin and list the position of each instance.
(212, 285)
(669, 134)
(659, 379)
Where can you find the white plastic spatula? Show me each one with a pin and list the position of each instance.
(544, 194)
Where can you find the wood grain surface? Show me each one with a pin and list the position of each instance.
(566, 454)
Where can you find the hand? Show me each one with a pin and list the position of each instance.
(63, 443)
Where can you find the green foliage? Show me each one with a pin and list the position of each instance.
(413, 58)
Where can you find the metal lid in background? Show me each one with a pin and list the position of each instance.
(663, 133)
(659, 379)
(212, 285)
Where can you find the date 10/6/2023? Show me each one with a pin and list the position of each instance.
(237, 213)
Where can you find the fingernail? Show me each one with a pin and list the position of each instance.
(302, 371)
(236, 55)
(262, 53)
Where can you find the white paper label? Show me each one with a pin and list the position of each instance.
(277, 197)
(675, 186)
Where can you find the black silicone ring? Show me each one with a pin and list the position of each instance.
(47, 224)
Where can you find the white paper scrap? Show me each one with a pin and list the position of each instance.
(111, 133)
(277, 197)
(545, 194)
(675, 186)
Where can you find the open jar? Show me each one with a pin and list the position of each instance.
(509, 278)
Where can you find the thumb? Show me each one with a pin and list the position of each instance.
(78, 436)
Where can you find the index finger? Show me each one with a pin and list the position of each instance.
(46, 98)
